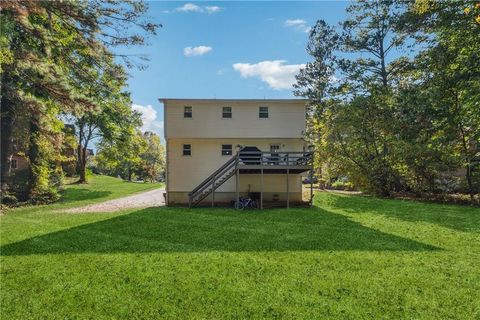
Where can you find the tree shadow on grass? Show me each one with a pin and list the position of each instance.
(76, 194)
(200, 230)
(461, 218)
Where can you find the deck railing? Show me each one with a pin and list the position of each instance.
(251, 160)
(262, 158)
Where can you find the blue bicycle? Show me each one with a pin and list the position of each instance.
(247, 203)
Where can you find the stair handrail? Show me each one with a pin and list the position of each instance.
(205, 181)
(204, 195)
(289, 158)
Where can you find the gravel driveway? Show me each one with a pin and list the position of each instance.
(153, 198)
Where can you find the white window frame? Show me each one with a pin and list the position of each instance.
(14, 164)
(186, 149)
(224, 113)
(276, 150)
(222, 150)
(185, 112)
(260, 112)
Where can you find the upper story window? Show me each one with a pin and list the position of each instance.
(187, 149)
(226, 149)
(187, 112)
(263, 112)
(226, 112)
(13, 164)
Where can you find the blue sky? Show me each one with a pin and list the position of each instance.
(224, 50)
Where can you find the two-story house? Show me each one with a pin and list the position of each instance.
(219, 150)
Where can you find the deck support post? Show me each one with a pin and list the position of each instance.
(288, 190)
(237, 184)
(311, 187)
(213, 192)
(261, 188)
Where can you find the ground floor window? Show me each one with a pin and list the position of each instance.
(226, 149)
(274, 148)
(13, 164)
(187, 149)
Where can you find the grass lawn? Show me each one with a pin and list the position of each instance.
(349, 257)
(101, 188)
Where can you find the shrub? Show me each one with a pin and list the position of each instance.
(343, 185)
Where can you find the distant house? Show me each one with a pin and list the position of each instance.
(18, 162)
(221, 150)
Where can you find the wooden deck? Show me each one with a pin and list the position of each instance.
(274, 170)
(259, 162)
(255, 162)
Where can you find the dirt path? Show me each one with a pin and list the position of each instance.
(152, 198)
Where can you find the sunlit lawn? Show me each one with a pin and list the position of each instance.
(101, 188)
(349, 257)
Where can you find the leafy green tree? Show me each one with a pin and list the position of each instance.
(153, 157)
(448, 71)
(112, 114)
(351, 97)
(121, 157)
(393, 122)
(42, 45)
(140, 155)
(371, 29)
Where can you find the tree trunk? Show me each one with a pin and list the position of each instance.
(468, 174)
(82, 164)
(469, 181)
(33, 154)
(383, 65)
(6, 139)
(79, 154)
(83, 140)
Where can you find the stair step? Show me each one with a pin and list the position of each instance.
(214, 182)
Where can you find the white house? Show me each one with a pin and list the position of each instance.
(219, 150)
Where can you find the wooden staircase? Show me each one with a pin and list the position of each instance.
(215, 180)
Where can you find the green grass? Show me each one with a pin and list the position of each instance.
(101, 188)
(349, 257)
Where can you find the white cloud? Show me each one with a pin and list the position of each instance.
(213, 9)
(196, 51)
(149, 118)
(191, 7)
(297, 24)
(276, 73)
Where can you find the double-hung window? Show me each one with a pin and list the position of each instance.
(263, 112)
(226, 112)
(226, 149)
(187, 149)
(187, 112)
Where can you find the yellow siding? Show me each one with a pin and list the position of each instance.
(206, 131)
(286, 119)
(185, 172)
